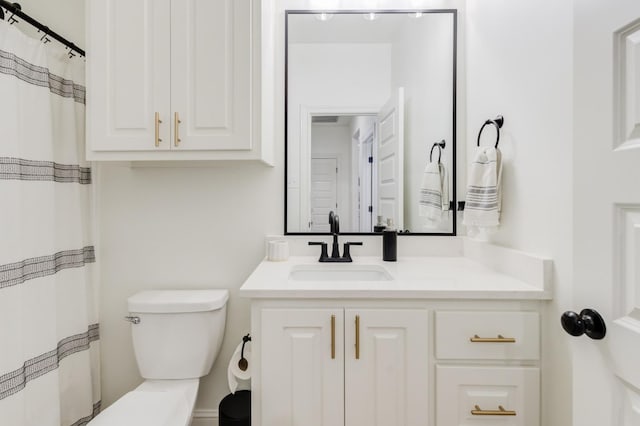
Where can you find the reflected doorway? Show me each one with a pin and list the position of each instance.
(343, 171)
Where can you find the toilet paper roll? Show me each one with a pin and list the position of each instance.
(278, 250)
(234, 373)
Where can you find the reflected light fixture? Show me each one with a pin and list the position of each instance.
(324, 16)
(370, 16)
(416, 14)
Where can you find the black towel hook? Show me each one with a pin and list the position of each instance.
(441, 145)
(498, 122)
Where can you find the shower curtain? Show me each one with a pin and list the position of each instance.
(49, 354)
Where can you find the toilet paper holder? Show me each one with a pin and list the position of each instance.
(243, 363)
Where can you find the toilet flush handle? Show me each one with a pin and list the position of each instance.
(132, 319)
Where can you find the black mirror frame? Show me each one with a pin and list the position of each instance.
(454, 202)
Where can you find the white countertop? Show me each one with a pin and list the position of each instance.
(412, 277)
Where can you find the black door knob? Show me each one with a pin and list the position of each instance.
(588, 322)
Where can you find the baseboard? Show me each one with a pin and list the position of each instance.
(205, 418)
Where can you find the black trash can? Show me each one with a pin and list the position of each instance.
(235, 409)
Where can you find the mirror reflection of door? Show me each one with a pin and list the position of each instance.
(349, 140)
(324, 192)
(391, 160)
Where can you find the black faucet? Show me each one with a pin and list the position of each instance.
(334, 224)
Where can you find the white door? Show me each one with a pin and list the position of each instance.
(304, 384)
(386, 367)
(391, 159)
(211, 71)
(606, 373)
(129, 74)
(324, 192)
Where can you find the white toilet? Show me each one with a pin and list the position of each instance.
(176, 337)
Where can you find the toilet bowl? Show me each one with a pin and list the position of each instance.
(176, 337)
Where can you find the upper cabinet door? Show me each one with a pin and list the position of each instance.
(386, 367)
(211, 74)
(128, 75)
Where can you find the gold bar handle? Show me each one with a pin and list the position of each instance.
(499, 412)
(176, 130)
(499, 339)
(333, 337)
(158, 121)
(357, 336)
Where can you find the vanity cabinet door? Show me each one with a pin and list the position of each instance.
(386, 367)
(302, 367)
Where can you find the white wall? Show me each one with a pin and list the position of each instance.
(519, 64)
(420, 56)
(321, 76)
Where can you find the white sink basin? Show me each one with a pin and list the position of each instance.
(339, 272)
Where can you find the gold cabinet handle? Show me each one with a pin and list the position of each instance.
(333, 337)
(499, 412)
(357, 336)
(499, 339)
(158, 121)
(176, 129)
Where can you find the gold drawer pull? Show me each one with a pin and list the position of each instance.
(499, 412)
(158, 121)
(176, 129)
(333, 337)
(499, 339)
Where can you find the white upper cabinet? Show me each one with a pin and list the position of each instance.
(173, 80)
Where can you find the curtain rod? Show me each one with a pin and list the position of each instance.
(15, 9)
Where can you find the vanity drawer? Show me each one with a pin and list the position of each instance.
(467, 396)
(487, 335)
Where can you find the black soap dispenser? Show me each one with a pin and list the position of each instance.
(390, 242)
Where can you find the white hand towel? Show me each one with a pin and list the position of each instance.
(434, 192)
(484, 193)
(234, 374)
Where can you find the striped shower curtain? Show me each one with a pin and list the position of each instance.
(49, 354)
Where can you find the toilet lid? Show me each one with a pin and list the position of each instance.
(139, 408)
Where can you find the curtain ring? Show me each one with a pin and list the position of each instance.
(441, 145)
(498, 122)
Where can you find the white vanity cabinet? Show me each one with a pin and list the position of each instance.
(438, 341)
(172, 80)
(397, 362)
(343, 366)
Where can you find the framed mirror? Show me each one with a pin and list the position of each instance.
(370, 121)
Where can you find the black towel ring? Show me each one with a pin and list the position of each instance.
(441, 145)
(498, 122)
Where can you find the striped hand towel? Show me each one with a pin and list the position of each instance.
(484, 195)
(434, 192)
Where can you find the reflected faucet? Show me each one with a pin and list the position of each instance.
(334, 224)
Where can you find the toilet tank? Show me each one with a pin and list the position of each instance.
(179, 332)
